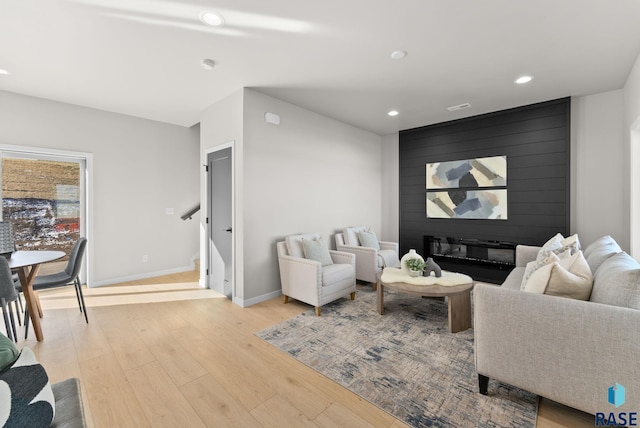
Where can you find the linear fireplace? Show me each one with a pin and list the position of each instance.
(483, 260)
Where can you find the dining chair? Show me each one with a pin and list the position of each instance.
(70, 275)
(8, 295)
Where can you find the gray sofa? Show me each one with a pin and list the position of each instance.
(570, 351)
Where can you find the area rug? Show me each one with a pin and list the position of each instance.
(405, 362)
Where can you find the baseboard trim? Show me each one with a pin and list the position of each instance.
(255, 300)
(146, 275)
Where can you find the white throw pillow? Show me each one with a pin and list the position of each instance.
(534, 266)
(294, 243)
(539, 278)
(561, 246)
(568, 277)
(350, 235)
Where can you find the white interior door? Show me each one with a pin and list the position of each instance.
(220, 221)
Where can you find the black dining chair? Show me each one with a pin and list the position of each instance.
(70, 275)
(8, 295)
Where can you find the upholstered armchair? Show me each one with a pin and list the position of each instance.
(370, 258)
(312, 273)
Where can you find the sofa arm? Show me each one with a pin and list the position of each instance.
(69, 408)
(567, 350)
(525, 254)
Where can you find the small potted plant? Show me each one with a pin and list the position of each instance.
(416, 266)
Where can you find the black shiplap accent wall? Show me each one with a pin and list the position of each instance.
(536, 141)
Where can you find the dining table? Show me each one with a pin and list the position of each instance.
(27, 264)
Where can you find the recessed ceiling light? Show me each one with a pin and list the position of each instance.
(212, 18)
(393, 113)
(398, 54)
(208, 64)
(523, 79)
(3, 71)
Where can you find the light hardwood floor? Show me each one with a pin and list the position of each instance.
(190, 359)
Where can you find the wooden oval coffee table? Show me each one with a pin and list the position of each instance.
(459, 297)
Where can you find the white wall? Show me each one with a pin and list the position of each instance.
(632, 118)
(391, 187)
(309, 174)
(141, 167)
(598, 196)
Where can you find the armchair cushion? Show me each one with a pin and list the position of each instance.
(369, 239)
(335, 273)
(294, 244)
(315, 249)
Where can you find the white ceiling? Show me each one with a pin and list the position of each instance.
(142, 57)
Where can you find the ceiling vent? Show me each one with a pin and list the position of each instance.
(459, 107)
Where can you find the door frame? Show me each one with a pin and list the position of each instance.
(86, 202)
(208, 152)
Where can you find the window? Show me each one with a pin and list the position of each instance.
(44, 199)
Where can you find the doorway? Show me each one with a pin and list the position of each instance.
(220, 203)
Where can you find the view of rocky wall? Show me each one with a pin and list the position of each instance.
(41, 200)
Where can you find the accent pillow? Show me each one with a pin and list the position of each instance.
(617, 282)
(369, 239)
(534, 266)
(294, 243)
(350, 235)
(26, 398)
(317, 250)
(569, 277)
(572, 242)
(8, 352)
(539, 278)
(561, 246)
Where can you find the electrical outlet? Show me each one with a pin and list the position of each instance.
(145, 258)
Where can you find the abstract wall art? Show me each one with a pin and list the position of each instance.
(467, 189)
(477, 204)
(479, 172)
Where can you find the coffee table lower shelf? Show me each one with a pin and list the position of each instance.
(459, 298)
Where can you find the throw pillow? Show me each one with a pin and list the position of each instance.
(571, 278)
(369, 239)
(617, 282)
(26, 398)
(294, 243)
(559, 245)
(534, 266)
(317, 250)
(350, 235)
(571, 242)
(539, 278)
(8, 352)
